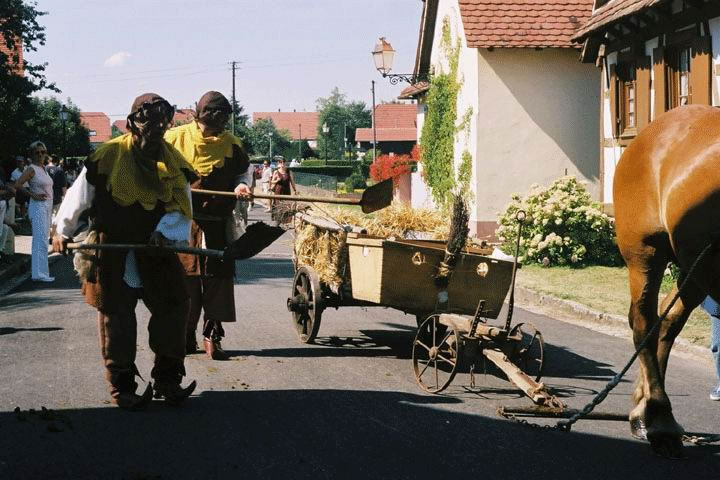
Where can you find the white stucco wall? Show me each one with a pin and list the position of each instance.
(538, 120)
(611, 151)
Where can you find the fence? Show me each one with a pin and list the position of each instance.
(325, 182)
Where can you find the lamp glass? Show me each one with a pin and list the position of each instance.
(384, 55)
(63, 114)
(325, 127)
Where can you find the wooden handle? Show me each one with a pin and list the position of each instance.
(133, 246)
(294, 198)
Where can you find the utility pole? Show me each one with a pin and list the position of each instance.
(373, 122)
(234, 64)
(300, 142)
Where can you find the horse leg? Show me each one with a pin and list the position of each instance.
(651, 417)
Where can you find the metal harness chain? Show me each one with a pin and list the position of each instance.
(565, 425)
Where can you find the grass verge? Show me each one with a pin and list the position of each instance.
(604, 289)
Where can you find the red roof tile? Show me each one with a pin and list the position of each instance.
(414, 90)
(99, 123)
(183, 116)
(120, 125)
(612, 11)
(396, 115)
(297, 123)
(386, 134)
(523, 23)
(17, 50)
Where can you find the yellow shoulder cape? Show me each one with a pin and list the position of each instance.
(130, 180)
(203, 153)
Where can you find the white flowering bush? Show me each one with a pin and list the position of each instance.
(564, 226)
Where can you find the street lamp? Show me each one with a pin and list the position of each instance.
(269, 135)
(326, 130)
(384, 56)
(63, 118)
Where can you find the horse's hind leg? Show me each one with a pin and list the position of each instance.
(651, 417)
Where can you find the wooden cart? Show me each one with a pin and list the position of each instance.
(452, 323)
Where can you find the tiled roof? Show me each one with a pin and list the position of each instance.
(183, 115)
(299, 124)
(99, 123)
(612, 11)
(10, 53)
(396, 115)
(394, 122)
(120, 125)
(414, 90)
(386, 134)
(523, 23)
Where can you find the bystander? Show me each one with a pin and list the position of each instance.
(713, 309)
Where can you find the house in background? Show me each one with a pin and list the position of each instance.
(396, 129)
(120, 125)
(98, 125)
(532, 108)
(655, 55)
(14, 56)
(183, 116)
(300, 125)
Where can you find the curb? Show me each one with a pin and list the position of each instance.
(19, 272)
(607, 323)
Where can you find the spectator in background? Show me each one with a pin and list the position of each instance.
(40, 191)
(7, 236)
(59, 182)
(265, 179)
(713, 309)
(21, 197)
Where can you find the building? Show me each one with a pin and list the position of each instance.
(526, 105)
(300, 125)
(654, 56)
(98, 125)
(183, 116)
(14, 56)
(395, 129)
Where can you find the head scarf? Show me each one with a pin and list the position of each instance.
(149, 113)
(205, 153)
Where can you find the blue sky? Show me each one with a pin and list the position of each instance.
(102, 54)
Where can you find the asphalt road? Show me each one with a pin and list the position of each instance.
(347, 407)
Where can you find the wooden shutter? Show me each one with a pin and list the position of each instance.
(614, 100)
(659, 82)
(700, 71)
(642, 92)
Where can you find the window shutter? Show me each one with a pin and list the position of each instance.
(659, 82)
(700, 70)
(614, 100)
(642, 95)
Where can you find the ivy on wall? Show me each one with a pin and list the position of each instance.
(440, 128)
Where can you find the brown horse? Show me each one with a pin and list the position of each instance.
(667, 209)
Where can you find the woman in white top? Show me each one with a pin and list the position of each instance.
(40, 191)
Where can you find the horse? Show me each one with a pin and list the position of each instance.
(666, 194)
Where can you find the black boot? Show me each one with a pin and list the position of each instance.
(172, 392)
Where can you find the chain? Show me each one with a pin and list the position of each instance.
(565, 425)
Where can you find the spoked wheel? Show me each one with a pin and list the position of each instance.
(435, 354)
(306, 304)
(528, 349)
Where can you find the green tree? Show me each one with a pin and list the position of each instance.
(242, 124)
(19, 28)
(259, 136)
(46, 125)
(342, 118)
(115, 132)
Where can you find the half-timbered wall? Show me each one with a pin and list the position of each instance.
(679, 67)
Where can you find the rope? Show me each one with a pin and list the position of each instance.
(566, 424)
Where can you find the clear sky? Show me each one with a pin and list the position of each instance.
(102, 54)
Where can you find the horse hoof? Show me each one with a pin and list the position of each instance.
(667, 446)
(638, 429)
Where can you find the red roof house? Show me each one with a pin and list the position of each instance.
(14, 55)
(183, 116)
(301, 125)
(394, 122)
(99, 125)
(120, 125)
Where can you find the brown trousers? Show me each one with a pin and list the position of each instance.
(118, 337)
(215, 295)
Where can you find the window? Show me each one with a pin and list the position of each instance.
(628, 99)
(683, 71)
(679, 77)
(92, 133)
(629, 92)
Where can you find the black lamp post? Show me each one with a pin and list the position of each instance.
(63, 118)
(384, 55)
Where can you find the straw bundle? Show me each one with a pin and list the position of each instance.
(327, 253)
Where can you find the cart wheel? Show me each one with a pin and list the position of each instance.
(306, 304)
(528, 349)
(435, 354)
(420, 317)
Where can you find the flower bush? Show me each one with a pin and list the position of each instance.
(390, 166)
(564, 226)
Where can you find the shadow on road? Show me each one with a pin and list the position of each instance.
(316, 434)
(263, 268)
(11, 330)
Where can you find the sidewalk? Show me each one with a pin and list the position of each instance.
(16, 272)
